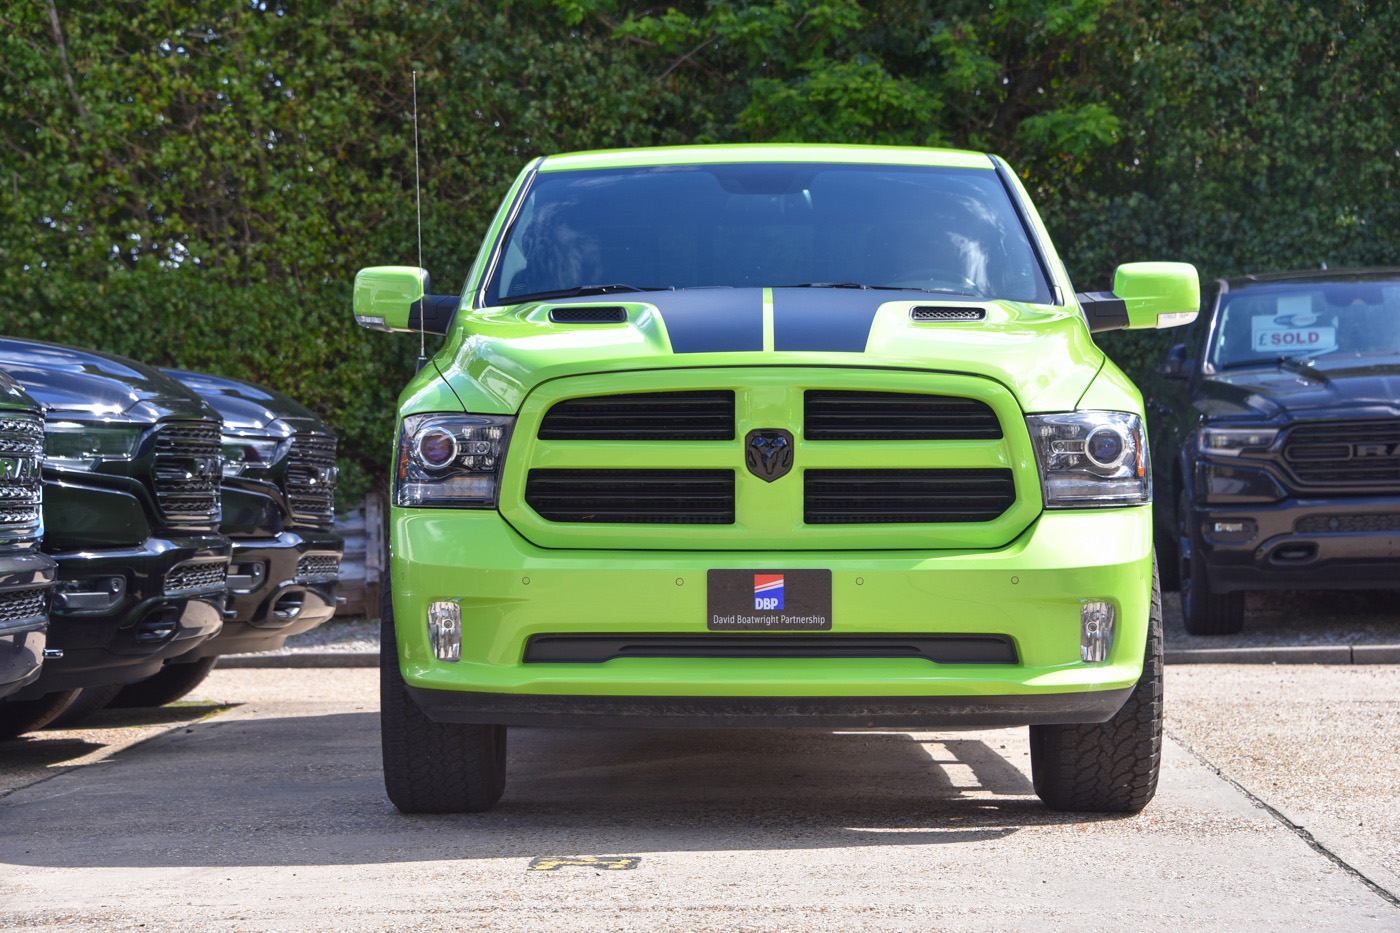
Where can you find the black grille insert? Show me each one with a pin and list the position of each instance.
(198, 576)
(940, 649)
(318, 568)
(1345, 453)
(688, 497)
(187, 467)
(588, 315)
(1347, 524)
(311, 478)
(23, 606)
(851, 497)
(643, 416)
(839, 415)
(21, 450)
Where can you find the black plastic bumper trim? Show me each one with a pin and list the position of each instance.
(939, 649)
(949, 713)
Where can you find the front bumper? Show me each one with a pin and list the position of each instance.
(23, 633)
(1300, 544)
(1030, 591)
(286, 602)
(130, 639)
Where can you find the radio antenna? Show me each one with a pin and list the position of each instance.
(418, 202)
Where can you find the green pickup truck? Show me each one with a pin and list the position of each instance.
(771, 436)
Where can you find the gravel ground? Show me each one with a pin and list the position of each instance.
(271, 816)
(1318, 743)
(1289, 618)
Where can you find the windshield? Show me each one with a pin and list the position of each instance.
(768, 225)
(1325, 322)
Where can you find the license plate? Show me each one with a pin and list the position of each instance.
(769, 601)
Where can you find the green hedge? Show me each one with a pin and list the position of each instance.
(195, 183)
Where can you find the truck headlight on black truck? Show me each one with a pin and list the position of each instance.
(1091, 459)
(82, 445)
(249, 454)
(451, 461)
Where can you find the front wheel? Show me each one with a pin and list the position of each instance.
(20, 716)
(1108, 767)
(432, 767)
(1203, 611)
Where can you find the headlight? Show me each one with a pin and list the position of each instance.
(451, 461)
(245, 453)
(1231, 442)
(1091, 459)
(84, 444)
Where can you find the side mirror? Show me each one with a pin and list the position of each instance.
(1174, 367)
(396, 298)
(1145, 294)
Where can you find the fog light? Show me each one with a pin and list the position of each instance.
(445, 630)
(1095, 631)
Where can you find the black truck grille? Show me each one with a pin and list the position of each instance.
(690, 497)
(318, 568)
(311, 479)
(643, 416)
(838, 415)
(1345, 453)
(849, 497)
(23, 605)
(187, 468)
(194, 577)
(21, 485)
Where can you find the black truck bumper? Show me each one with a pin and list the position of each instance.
(1301, 544)
(151, 613)
(25, 580)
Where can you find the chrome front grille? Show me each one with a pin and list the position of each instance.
(21, 486)
(24, 606)
(318, 568)
(196, 576)
(311, 478)
(186, 470)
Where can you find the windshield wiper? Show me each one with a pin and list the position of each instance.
(882, 288)
(1300, 365)
(579, 291)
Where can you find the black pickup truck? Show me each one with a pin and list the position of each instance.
(26, 573)
(1277, 447)
(278, 506)
(131, 469)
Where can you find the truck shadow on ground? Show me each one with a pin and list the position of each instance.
(308, 790)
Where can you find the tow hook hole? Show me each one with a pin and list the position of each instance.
(1294, 553)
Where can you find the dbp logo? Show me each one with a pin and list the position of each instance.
(768, 591)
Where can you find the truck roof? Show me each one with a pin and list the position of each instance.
(765, 152)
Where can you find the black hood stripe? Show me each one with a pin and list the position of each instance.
(711, 320)
(824, 320)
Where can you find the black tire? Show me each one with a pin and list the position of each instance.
(20, 716)
(167, 685)
(1203, 611)
(432, 767)
(89, 700)
(1108, 767)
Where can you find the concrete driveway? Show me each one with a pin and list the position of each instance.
(270, 815)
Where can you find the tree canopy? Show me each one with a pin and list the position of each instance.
(195, 183)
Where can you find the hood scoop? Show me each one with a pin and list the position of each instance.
(933, 313)
(588, 314)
